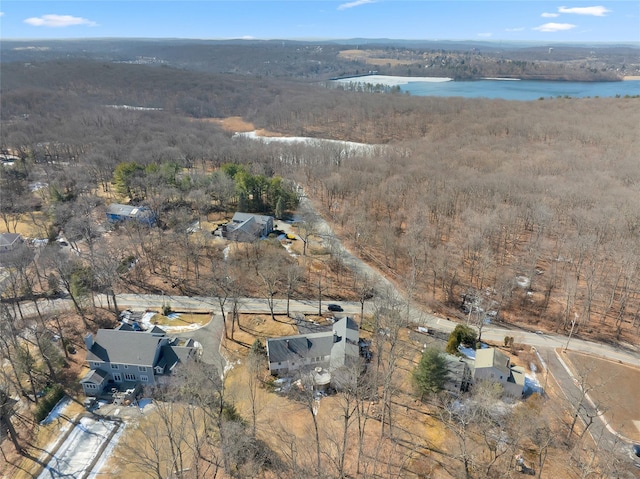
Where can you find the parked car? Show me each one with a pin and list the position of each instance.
(335, 308)
(636, 449)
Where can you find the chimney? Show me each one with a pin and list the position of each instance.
(88, 341)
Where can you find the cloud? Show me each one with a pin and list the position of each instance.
(1, 14)
(486, 35)
(519, 29)
(356, 3)
(57, 21)
(549, 15)
(598, 11)
(555, 27)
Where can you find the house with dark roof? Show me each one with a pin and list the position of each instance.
(460, 376)
(126, 357)
(493, 365)
(117, 213)
(247, 227)
(328, 350)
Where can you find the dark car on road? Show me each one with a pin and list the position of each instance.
(636, 449)
(335, 308)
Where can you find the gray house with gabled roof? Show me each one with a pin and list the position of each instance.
(495, 366)
(9, 242)
(124, 357)
(247, 227)
(329, 349)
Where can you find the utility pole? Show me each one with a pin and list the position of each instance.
(573, 323)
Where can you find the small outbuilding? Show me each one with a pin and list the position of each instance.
(9, 242)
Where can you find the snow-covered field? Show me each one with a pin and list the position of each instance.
(80, 449)
(348, 147)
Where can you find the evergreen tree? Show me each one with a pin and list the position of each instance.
(431, 373)
(279, 208)
(462, 334)
(242, 202)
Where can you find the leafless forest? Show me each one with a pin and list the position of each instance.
(464, 195)
(487, 191)
(530, 208)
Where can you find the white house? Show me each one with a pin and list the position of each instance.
(493, 365)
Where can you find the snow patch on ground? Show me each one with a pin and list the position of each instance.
(56, 412)
(106, 454)
(468, 352)
(144, 402)
(523, 281)
(531, 385)
(347, 146)
(146, 323)
(79, 450)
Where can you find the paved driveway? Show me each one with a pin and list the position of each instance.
(209, 337)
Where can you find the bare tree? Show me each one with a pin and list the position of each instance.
(346, 380)
(271, 273)
(295, 274)
(6, 412)
(578, 406)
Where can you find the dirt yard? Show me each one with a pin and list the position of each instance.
(614, 385)
(374, 57)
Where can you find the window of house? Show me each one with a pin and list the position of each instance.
(130, 377)
(115, 366)
(90, 386)
(126, 366)
(142, 368)
(144, 378)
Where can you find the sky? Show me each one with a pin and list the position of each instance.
(513, 20)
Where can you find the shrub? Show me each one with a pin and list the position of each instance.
(48, 402)
(462, 334)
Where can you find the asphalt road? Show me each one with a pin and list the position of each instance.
(491, 332)
(209, 336)
(570, 386)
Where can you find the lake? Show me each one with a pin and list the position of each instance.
(522, 89)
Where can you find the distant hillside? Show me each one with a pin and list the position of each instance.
(312, 61)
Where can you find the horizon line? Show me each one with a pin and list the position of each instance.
(330, 39)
